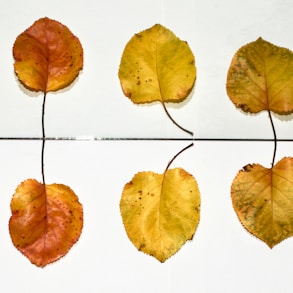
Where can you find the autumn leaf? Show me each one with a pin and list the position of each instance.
(157, 66)
(46, 221)
(263, 200)
(160, 212)
(260, 77)
(48, 57)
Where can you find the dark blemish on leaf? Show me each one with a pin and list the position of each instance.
(244, 107)
(141, 246)
(247, 168)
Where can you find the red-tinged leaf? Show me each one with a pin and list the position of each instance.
(46, 221)
(48, 57)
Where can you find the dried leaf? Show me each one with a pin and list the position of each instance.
(157, 66)
(263, 200)
(160, 212)
(46, 221)
(260, 77)
(48, 57)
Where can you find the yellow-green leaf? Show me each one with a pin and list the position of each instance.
(260, 77)
(48, 57)
(263, 200)
(46, 221)
(160, 212)
(157, 66)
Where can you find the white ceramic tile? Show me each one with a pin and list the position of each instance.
(222, 257)
(94, 105)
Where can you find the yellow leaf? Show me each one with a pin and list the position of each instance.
(157, 66)
(46, 221)
(48, 57)
(260, 77)
(160, 212)
(263, 200)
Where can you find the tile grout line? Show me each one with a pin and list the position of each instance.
(93, 138)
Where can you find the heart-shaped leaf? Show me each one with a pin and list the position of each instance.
(48, 57)
(260, 77)
(46, 221)
(160, 212)
(263, 200)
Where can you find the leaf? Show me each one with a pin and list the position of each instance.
(263, 200)
(46, 221)
(157, 66)
(160, 212)
(260, 77)
(48, 57)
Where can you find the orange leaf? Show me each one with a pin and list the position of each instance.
(46, 221)
(263, 200)
(48, 57)
(260, 77)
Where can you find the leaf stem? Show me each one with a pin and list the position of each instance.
(43, 138)
(170, 117)
(184, 149)
(275, 138)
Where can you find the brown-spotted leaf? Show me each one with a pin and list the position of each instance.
(48, 57)
(160, 212)
(157, 66)
(260, 77)
(263, 200)
(46, 221)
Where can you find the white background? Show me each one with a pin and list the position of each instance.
(222, 257)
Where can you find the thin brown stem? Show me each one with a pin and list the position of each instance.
(184, 149)
(275, 138)
(43, 139)
(182, 128)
